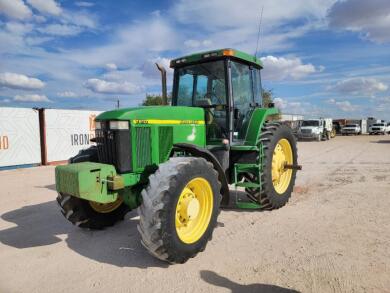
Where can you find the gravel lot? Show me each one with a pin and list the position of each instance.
(333, 235)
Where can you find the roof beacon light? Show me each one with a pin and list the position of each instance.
(228, 52)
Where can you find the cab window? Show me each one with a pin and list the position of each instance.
(242, 98)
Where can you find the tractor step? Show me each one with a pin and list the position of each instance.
(247, 184)
(243, 168)
(248, 205)
(239, 168)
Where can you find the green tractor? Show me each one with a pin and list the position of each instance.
(175, 163)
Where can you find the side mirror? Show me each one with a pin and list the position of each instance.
(237, 113)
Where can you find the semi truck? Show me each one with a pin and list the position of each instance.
(318, 129)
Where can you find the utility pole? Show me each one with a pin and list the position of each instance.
(117, 103)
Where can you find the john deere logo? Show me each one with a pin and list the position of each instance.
(4, 143)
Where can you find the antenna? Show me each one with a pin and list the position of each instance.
(258, 33)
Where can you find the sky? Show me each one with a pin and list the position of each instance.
(322, 58)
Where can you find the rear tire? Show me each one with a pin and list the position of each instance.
(80, 213)
(269, 198)
(159, 223)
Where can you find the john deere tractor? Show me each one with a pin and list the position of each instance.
(175, 163)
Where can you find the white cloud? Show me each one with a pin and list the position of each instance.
(130, 45)
(344, 106)
(279, 68)
(289, 106)
(20, 81)
(18, 28)
(234, 23)
(60, 30)
(359, 86)
(109, 87)
(149, 68)
(46, 6)
(216, 14)
(15, 9)
(80, 18)
(111, 66)
(84, 4)
(31, 98)
(371, 18)
(67, 94)
(197, 43)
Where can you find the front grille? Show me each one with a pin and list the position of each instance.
(144, 151)
(306, 131)
(114, 148)
(165, 140)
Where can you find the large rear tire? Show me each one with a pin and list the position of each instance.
(180, 208)
(277, 182)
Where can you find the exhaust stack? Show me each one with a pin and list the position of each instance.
(164, 83)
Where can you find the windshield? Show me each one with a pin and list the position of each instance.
(379, 124)
(201, 84)
(310, 123)
(351, 125)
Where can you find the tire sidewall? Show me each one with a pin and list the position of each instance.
(199, 168)
(275, 198)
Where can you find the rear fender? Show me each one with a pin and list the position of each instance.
(259, 116)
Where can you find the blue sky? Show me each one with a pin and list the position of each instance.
(321, 58)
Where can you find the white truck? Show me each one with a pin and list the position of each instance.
(379, 128)
(318, 129)
(353, 129)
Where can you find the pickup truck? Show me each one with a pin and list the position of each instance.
(379, 128)
(353, 129)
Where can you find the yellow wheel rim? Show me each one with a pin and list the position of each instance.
(104, 208)
(193, 210)
(282, 155)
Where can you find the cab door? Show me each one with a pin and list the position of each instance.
(243, 98)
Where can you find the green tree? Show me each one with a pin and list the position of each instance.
(155, 100)
(269, 97)
(152, 100)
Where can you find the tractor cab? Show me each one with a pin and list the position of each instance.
(226, 84)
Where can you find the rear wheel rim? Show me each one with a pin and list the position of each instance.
(282, 156)
(194, 209)
(105, 208)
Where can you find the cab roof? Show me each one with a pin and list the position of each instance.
(216, 54)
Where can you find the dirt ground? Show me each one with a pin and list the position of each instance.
(333, 235)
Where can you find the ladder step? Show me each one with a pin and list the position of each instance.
(248, 205)
(246, 167)
(248, 184)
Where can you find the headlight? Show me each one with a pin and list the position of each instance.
(119, 125)
(98, 125)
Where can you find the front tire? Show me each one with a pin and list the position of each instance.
(180, 208)
(85, 214)
(88, 214)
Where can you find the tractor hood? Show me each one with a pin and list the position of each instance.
(155, 113)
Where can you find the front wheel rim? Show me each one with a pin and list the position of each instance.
(194, 209)
(282, 156)
(104, 208)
